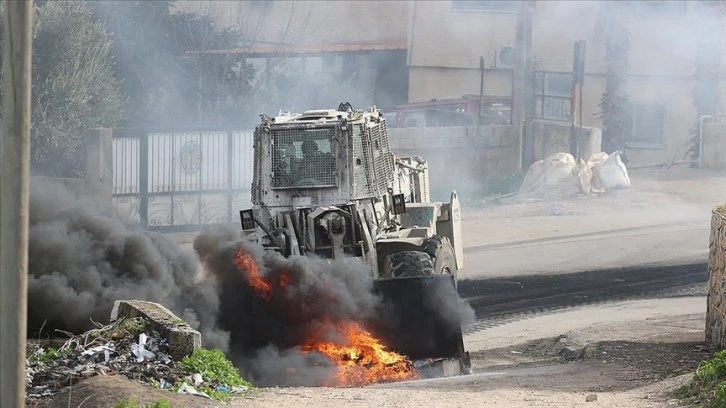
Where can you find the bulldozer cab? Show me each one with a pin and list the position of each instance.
(304, 159)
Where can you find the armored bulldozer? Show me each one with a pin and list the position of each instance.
(326, 183)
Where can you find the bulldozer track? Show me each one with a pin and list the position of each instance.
(500, 301)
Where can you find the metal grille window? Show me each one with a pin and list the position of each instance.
(303, 157)
(553, 96)
(648, 124)
(383, 161)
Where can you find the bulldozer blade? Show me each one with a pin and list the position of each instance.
(420, 319)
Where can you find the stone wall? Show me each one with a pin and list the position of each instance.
(716, 303)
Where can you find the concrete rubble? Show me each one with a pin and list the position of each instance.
(181, 337)
(144, 342)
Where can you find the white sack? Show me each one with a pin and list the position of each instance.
(608, 172)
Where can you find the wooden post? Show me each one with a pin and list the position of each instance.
(14, 197)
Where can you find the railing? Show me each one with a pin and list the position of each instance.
(181, 179)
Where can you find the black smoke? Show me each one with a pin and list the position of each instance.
(265, 334)
(82, 258)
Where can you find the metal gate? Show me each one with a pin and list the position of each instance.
(182, 179)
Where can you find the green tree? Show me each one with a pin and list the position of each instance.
(170, 65)
(74, 87)
(218, 81)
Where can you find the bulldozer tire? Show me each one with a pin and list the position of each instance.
(408, 264)
(442, 253)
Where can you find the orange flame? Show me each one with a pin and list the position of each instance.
(360, 359)
(254, 277)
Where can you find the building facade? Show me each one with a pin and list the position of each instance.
(434, 50)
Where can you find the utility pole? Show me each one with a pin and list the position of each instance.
(523, 88)
(14, 197)
(528, 131)
(518, 78)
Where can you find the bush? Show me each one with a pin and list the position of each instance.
(215, 369)
(708, 386)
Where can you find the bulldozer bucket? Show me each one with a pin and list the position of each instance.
(420, 319)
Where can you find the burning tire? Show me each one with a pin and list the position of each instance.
(407, 264)
(442, 253)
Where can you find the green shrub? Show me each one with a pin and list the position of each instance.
(50, 354)
(215, 369)
(214, 366)
(707, 388)
(132, 402)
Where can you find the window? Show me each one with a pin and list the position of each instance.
(485, 5)
(648, 124)
(553, 96)
(303, 158)
(655, 7)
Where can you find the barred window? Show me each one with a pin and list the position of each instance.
(553, 96)
(303, 158)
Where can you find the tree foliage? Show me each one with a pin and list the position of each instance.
(167, 66)
(74, 87)
(141, 53)
(616, 109)
(219, 80)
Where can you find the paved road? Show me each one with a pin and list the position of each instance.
(663, 219)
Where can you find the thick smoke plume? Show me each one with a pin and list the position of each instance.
(82, 258)
(265, 333)
(309, 296)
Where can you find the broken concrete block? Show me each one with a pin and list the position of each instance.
(182, 338)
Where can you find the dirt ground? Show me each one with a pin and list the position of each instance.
(617, 354)
(624, 354)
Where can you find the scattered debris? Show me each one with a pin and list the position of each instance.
(591, 398)
(128, 347)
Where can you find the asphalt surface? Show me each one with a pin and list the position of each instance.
(498, 298)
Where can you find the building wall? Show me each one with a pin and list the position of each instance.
(714, 144)
(445, 44)
(445, 61)
(320, 21)
(321, 80)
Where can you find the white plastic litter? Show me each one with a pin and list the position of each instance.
(197, 378)
(139, 350)
(188, 389)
